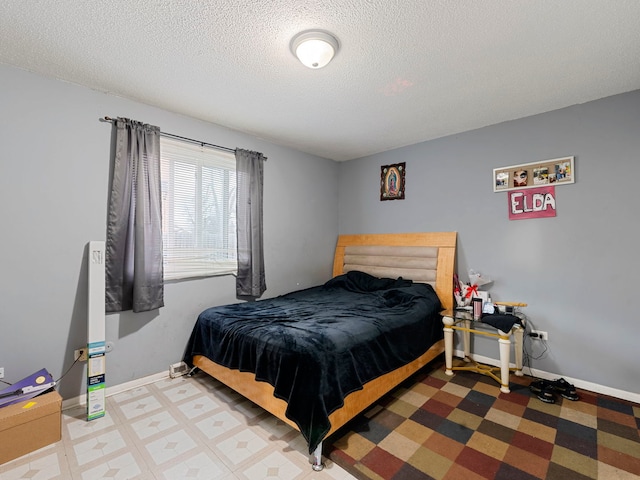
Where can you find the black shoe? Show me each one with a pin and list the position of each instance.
(543, 390)
(565, 389)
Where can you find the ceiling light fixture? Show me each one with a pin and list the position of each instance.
(314, 48)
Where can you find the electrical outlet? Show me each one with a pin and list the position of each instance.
(178, 369)
(539, 334)
(1, 372)
(80, 354)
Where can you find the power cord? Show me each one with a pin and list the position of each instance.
(527, 354)
(68, 370)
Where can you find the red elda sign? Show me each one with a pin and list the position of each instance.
(535, 202)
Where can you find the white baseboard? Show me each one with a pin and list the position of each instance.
(114, 390)
(592, 387)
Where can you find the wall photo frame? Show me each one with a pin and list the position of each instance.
(392, 181)
(557, 171)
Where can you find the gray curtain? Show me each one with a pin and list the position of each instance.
(250, 281)
(134, 272)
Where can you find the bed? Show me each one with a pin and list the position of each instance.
(318, 357)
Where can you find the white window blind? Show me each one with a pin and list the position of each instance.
(198, 210)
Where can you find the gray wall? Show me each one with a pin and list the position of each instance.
(577, 271)
(54, 158)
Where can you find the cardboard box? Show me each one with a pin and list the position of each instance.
(30, 425)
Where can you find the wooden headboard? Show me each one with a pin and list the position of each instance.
(421, 257)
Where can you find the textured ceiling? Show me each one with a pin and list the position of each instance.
(407, 70)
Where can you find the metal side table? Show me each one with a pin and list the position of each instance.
(461, 320)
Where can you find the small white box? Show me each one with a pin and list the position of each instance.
(484, 296)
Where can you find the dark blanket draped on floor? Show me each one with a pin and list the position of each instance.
(316, 346)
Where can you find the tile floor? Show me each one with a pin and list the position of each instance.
(184, 428)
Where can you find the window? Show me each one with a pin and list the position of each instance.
(198, 210)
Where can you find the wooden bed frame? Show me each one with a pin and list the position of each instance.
(440, 245)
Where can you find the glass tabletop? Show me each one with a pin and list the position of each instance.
(494, 320)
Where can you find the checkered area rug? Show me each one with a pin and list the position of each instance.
(463, 427)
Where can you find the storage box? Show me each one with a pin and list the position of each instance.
(30, 425)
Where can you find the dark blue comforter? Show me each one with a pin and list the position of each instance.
(316, 346)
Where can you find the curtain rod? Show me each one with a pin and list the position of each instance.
(171, 135)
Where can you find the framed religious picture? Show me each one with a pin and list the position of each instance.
(392, 178)
(557, 171)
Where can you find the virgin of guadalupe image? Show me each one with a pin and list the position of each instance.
(392, 182)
